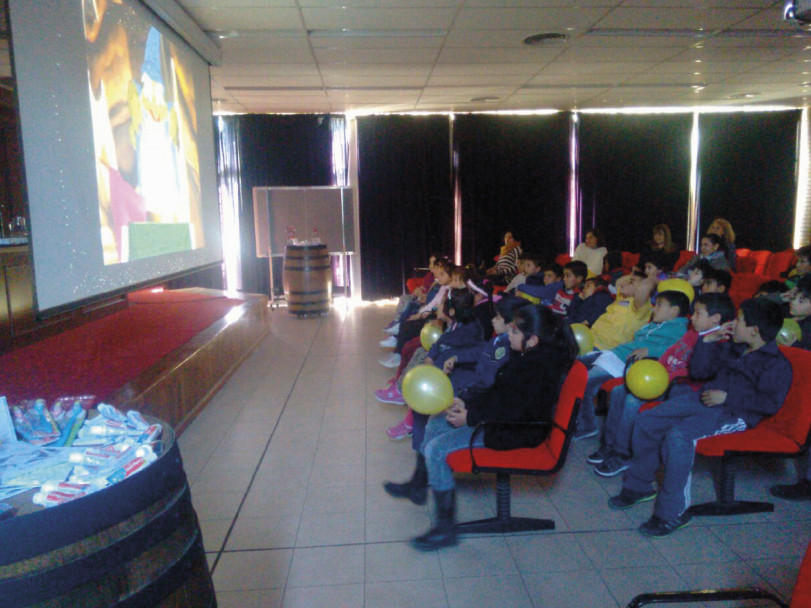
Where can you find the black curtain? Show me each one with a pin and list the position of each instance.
(513, 173)
(747, 172)
(634, 174)
(405, 197)
(273, 150)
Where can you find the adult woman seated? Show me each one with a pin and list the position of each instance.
(662, 247)
(591, 251)
(723, 228)
(506, 266)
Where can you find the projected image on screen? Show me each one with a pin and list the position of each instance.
(142, 102)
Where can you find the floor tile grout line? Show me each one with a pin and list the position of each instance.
(262, 457)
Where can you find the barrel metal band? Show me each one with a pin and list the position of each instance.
(88, 545)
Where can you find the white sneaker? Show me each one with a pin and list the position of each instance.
(393, 360)
(393, 330)
(389, 342)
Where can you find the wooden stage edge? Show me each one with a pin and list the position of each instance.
(179, 386)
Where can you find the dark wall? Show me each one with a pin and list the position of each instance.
(747, 171)
(634, 174)
(513, 173)
(406, 198)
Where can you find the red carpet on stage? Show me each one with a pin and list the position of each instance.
(102, 356)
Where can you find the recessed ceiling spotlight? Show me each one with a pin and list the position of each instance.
(485, 99)
(546, 39)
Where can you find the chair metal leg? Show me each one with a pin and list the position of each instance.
(503, 521)
(725, 503)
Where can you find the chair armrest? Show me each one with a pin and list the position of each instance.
(708, 595)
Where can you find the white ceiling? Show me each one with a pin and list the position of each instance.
(438, 55)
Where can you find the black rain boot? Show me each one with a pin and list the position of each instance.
(416, 488)
(443, 534)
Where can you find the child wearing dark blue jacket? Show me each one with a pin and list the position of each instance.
(747, 379)
(490, 357)
(589, 304)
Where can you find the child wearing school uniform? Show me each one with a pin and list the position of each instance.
(710, 312)
(543, 287)
(748, 379)
(800, 310)
(574, 274)
(526, 389)
(489, 358)
(528, 264)
(590, 303)
(668, 324)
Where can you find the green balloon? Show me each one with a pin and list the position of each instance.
(789, 333)
(583, 337)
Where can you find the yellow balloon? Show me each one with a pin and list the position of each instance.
(427, 390)
(789, 333)
(429, 334)
(677, 285)
(647, 379)
(583, 337)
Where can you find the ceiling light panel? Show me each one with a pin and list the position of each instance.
(525, 54)
(606, 67)
(266, 69)
(618, 54)
(676, 18)
(491, 38)
(371, 56)
(241, 18)
(350, 18)
(542, 19)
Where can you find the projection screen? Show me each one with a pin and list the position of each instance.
(118, 144)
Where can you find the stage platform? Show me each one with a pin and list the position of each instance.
(165, 355)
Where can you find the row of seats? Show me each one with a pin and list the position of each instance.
(764, 263)
(754, 268)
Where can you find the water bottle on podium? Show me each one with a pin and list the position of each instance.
(291, 235)
(316, 238)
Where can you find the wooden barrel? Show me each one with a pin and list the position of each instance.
(136, 543)
(307, 279)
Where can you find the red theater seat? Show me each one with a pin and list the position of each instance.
(784, 435)
(779, 263)
(761, 260)
(545, 459)
(684, 257)
(563, 259)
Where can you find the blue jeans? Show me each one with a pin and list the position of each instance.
(623, 408)
(586, 418)
(669, 432)
(440, 440)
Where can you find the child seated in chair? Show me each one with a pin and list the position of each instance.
(590, 303)
(710, 312)
(801, 268)
(574, 274)
(749, 380)
(668, 324)
(528, 264)
(800, 312)
(627, 314)
(716, 281)
(526, 389)
(543, 287)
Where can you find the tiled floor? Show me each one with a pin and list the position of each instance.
(286, 465)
